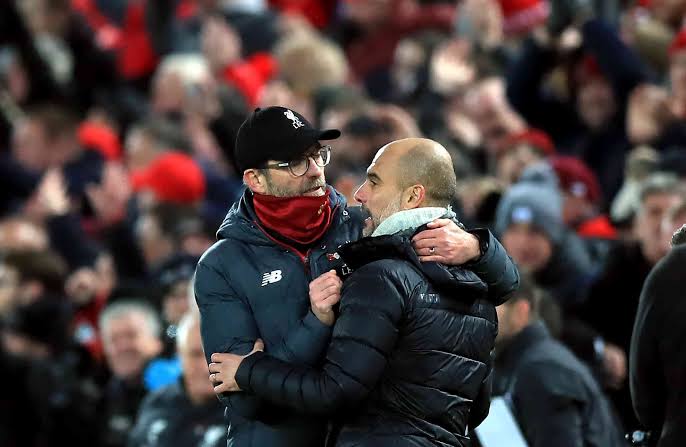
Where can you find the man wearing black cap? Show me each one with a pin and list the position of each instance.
(279, 241)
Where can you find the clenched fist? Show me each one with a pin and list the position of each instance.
(325, 292)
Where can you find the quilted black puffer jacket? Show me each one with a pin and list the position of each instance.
(410, 359)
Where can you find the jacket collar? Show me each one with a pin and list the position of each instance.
(455, 280)
(411, 220)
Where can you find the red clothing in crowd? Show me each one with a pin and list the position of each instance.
(317, 12)
(376, 48)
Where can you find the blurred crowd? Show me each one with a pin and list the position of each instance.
(566, 121)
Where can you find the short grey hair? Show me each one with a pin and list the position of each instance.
(435, 172)
(659, 183)
(188, 322)
(124, 307)
(679, 236)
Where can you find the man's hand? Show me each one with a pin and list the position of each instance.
(224, 366)
(325, 292)
(446, 243)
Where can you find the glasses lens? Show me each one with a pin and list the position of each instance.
(323, 157)
(299, 167)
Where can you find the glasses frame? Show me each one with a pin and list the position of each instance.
(307, 158)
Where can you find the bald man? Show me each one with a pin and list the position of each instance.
(409, 360)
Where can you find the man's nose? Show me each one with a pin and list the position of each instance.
(313, 169)
(360, 195)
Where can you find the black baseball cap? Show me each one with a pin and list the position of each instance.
(276, 133)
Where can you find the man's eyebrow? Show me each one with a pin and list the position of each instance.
(372, 176)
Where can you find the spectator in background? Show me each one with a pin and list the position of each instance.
(164, 230)
(40, 274)
(171, 177)
(581, 208)
(57, 382)
(614, 296)
(656, 363)
(47, 138)
(591, 124)
(375, 28)
(309, 63)
(522, 149)
(175, 74)
(18, 233)
(130, 333)
(555, 398)
(677, 75)
(186, 413)
(529, 222)
(649, 117)
(641, 162)
(174, 278)
(487, 106)
(148, 139)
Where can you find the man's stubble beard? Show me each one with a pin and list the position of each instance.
(390, 209)
(282, 191)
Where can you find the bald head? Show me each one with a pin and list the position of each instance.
(425, 162)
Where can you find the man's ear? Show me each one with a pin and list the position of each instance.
(413, 197)
(255, 181)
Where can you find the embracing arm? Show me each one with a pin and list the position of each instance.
(363, 337)
(447, 243)
(228, 325)
(495, 268)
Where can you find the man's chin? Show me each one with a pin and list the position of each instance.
(317, 192)
(369, 227)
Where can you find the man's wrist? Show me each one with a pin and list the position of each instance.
(481, 247)
(326, 318)
(244, 371)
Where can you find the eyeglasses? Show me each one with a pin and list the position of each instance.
(300, 166)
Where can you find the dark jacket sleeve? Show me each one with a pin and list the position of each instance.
(482, 402)
(355, 359)
(227, 325)
(646, 377)
(546, 393)
(495, 268)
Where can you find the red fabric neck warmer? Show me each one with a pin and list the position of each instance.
(300, 219)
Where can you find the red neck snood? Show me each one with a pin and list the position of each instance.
(300, 219)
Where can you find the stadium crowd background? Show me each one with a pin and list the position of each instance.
(117, 126)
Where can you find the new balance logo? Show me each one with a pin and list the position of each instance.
(271, 277)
